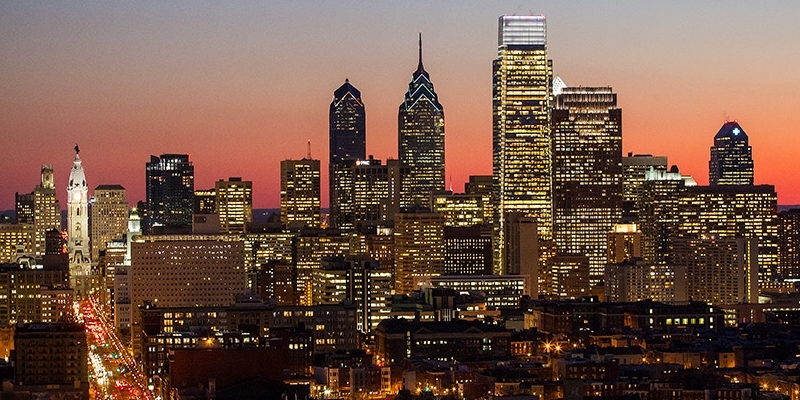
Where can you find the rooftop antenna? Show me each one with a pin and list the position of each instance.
(419, 67)
(308, 155)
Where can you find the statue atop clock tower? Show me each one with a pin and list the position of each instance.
(78, 213)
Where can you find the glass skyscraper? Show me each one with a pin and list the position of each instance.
(522, 159)
(347, 144)
(420, 143)
(731, 157)
(170, 192)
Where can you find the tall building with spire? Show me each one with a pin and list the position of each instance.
(420, 143)
(347, 131)
(78, 218)
(521, 156)
(731, 157)
(587, 173)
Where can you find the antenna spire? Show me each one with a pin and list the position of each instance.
(308, 154)
(419, 67)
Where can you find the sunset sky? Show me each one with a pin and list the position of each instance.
(242, 85)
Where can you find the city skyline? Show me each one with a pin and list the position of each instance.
(241, 90)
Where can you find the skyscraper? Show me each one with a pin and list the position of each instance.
(731, 157)
(300, 193)
(109, 216)
(789, 246)
(420, 142)
(170, 192)
(41, 209)
(521, 158)
(347, 131)
(419, 248)
(587, 173)
(634, 167)
(743, 211)
(234, 204)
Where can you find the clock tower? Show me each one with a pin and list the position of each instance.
(78, 213)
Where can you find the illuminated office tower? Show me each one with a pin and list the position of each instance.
(371, 190)
(23, 206)
(170, 192)
(459, 209)
(310, 248)
(262, 248)
(22, 290)
(483, 185)
(15, 240)
(234, 204)
(109, 216)
(205, 201)
(568, 276)
(728, 211)
(521, 98)
(624, 243)
(46, 209)
(418, 247)
(40, 208)
(467, 250)
(587, 173)
(300, 193)
(347, 120)
(719, 270)
(789, 249)
(658, 213)
(78, 217)
(370, 193)
(637, 280)
(360, 280)
(420, 139)
(634, 167)
(184, 271)
(731, 157)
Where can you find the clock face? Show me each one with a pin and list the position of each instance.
(76, 196)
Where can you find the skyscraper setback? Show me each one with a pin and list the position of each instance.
(420, 123)
(521, 155)
(347, 132)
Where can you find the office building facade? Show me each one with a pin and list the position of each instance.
(109, 216)
(587, 173)
(170, 192)
(347, 119)
(634, 167)
(521, 99)
(419, 248)
(234, 203)
(300, 193)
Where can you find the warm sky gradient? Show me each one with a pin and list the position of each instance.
(240, 86)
